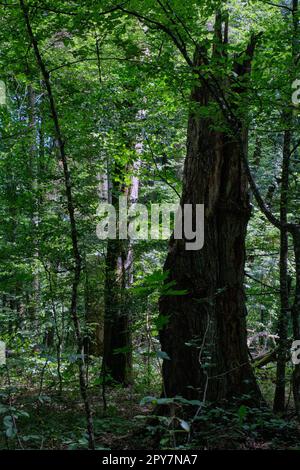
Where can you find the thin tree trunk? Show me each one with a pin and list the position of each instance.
(33, 169)
(279, 399)
(293, 229)
(94, 308)
(296, 318)
(73, 225)
(296, 238)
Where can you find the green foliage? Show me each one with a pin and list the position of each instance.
(119, 81)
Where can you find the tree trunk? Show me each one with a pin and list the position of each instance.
(296, 237)
(205, 337)
(94, 307)
(279, 399)
(117, 336)
(117, 356)
(296, 318)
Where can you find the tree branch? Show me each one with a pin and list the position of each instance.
(278, 6)
(177, 41)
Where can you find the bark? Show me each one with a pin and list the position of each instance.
(205, 337)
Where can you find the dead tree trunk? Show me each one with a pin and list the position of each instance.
(205, 336)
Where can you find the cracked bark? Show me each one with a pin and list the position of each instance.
(210, 321)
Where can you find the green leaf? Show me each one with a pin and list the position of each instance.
(184, 425)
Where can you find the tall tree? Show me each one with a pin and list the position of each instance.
(73, 225)
(205, 336)
(285, 226)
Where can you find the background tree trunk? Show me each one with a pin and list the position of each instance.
(296, 318)
(117, 337)
(279, 399)
(117, 355)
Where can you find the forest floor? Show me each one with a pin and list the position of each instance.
(36, 416)
(50, 421)
(54, 422)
